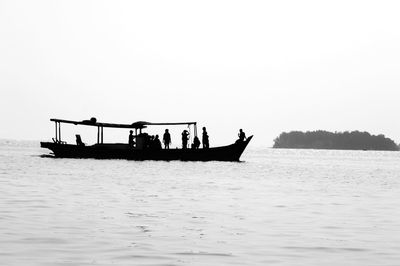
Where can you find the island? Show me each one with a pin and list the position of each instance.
(321, 139)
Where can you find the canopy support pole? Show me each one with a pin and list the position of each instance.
(56, 131)
(59, 131)
(98, 135)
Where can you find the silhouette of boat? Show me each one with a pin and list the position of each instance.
(140, 151)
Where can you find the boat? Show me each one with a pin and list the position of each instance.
(140, 150)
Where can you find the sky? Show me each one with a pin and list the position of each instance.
(264, 66)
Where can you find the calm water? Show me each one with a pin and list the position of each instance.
(279, 207)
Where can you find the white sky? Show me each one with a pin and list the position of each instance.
(264, 66)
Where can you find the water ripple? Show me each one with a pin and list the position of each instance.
(280, 207)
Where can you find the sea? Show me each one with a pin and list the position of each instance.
(276, 207)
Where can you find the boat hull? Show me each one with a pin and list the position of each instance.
(123, 151)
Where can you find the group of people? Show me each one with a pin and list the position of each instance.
(149, 141)
(153, 142)
(185, 137)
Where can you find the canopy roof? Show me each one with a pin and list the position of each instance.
(135, 125)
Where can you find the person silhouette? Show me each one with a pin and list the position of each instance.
(157, 143)
(131, 142)
(206, 143)
(196, 143)
(151, 142)
(185, 138)
(166, 139)
(241, 135)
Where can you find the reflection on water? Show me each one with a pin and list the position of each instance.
(279, 207)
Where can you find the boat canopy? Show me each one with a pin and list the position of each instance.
(100, 126)
(135, 125)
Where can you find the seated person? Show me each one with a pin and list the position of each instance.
(79, 140)
(157, 143)
(196, 143)
(241, 135)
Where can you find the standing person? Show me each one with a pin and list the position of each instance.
(241, 135)
(151, 142)
(185, 138)
(206, 144)
(166, 139)
(131, 142)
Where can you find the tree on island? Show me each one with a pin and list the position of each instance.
(321, 139)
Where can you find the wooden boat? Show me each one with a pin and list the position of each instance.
(140, 151)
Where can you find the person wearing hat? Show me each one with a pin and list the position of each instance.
(185, 138)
